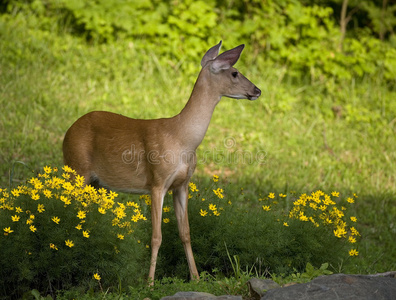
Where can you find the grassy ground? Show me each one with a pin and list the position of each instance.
(290, 139)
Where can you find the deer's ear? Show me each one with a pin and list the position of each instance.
(211, 54)
(227, 59)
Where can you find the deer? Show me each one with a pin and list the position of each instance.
(154, 156)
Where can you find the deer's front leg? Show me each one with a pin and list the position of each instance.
(157, 198)
(180, 202)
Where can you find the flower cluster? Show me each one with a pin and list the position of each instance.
(321, 209)
(37, 204)
(215, 205)
(213, 208)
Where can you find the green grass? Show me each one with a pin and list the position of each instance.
(48, 81)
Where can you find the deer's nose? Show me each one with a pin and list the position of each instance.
(257, 91)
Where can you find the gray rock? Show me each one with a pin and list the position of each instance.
(199, 296)
(258, 287)
(338, 286)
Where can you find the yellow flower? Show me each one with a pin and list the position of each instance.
(271, 195)
(120, 236)
(115, 222)
(67, 169)
(47, 193)
(339, 232)
(351, 200)
(353, 219)
(166, 209)
(81, 214)
(212, 207)
(47, 170)
(193, 187)
(18, 209)
(132, 204)
(7, 230)
(65, 200)
(353, 252)
(323, 207)
(69, 243)
(219, 193)
(68, 187)
(351, 239)
(203, 213)
(328, 201)
(66, 176)
(56, 220)
(282, 195)
(102, 210)
(15, 192)
(52, 246)
(166, 220)
(34, 195)
(15, 218)
(285, 224)
(303, 217)
(38, 185)
(266, 208)
(33, 228)
(96, 276)
(79, 181)
(40, 208)
(216, 213)
(148, 200)
(79, 227)
(86, 233)
(354, 231)
(120, 212)
(335, 194)
(215, 178)
(138, 216)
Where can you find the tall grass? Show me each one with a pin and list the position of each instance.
(48, 81)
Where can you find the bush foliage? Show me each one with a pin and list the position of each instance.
(276, 234)
(58, 234)
(302, 36)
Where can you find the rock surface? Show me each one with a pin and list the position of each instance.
(338, 286)
(258, 287)
(199, 296)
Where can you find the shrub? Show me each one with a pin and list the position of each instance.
(304, 38)
(57, 233)
(278, 234)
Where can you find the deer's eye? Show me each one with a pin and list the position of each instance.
(234, 74)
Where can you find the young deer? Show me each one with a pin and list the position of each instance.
(155, 156)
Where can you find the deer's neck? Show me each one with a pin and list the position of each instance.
(196, 115)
